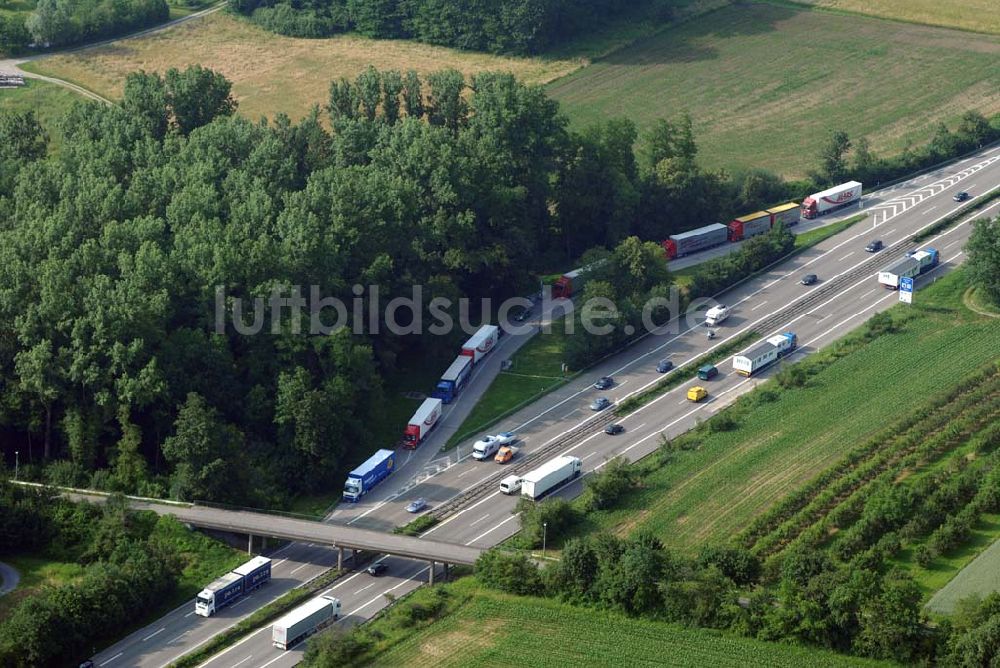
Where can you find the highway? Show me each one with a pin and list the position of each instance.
(846, 294)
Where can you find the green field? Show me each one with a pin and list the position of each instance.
(765, 83)
(487, 628)
(48, 101)
(977, 15)
(981, 576)
(13, 7)
(708, 494)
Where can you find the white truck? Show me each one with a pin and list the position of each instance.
(304, 621)
(716, 315)
(536, 484)
(764, 354)
(510, 485)
(831, 199)
(481, 343)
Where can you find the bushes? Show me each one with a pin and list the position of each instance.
(508, 572)
(61, 22)
(720, 273)
(605, 488)
(547, 520)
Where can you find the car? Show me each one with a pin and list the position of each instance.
(604, 383)
(664, 366)
(377, 568)
(614, 428)
(521, 314)
(961, 197)
(504, 455)
(506, 437)
(809, 279)
(599, 404)
(696, 393)
(87, 664)
(416, 505)
(874, 246)
(707, 371)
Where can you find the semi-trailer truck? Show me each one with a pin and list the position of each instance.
(536, 484)
(911, 266)
(787, 214)
(831, 199)
(678, 245)
(454, 379)
(481, 343)
(748, 226)
(374, 470)
(304, 620)
(422, 422)
(764, 354)
(231, 586)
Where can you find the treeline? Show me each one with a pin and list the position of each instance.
(502, 26)
(128, 567)
(983, 264)
(62, 22)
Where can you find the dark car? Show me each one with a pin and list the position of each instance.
(377, 568)
(87, 664)
(874, 246)
(614, 428)
(808, 279)
(604, 383)
(521, 314)
(961, 197)
(708, 371)
(664, 366)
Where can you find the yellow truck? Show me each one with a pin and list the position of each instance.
(697, 393)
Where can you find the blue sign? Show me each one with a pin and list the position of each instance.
(906, 284)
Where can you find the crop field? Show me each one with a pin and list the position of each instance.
(488, 628)
(981, 577)
(765, 83)
(272, 73)
(977, 15)
(710, 493)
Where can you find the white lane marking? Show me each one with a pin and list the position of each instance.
(567, 414)
(175, 639)
(463, 473)
(758, 306)
(868, 293)
(189, 614)
(952, 244)
(112, 658)
(296, 570)
(586, 457)
(460, 513)
(929, 209)
(243, 660)
(954, 257)
(369, 586)
(846, 256)
(281, 549)
(970, 186)
(635, 429)
(486, 533)
(154, 633)
(377, 598)
(484, 517)
(278, 564)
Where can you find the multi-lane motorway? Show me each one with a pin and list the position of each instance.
(846, 294)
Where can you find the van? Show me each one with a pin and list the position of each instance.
(707, 372)
(510, 485)
(716, 315)
(696, 393)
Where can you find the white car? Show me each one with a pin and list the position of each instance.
(506, 437)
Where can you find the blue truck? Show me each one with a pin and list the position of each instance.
(454, 379)
(361, 480)
(232, 586)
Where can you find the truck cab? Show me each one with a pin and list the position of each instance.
(353, 489)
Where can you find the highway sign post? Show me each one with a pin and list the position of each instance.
(906, 290)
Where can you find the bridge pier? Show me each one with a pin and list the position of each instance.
(445, 572)
(430, 579)
(354, 558)
(249, 543)
(340, 558)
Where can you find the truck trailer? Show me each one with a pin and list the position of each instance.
(481, 343)
(786, 214)
(422, 422)
(911, 266)
(764, 354)
(231, 586)
(454, 379)
(745, 227)
(678, 245)
(361, 480)
(536, 484)
(304, 620)
(831, 199)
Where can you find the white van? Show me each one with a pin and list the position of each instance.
(510, 485)
(485, 448)
(716, 315)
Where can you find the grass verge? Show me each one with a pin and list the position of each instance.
(417, 526)
(49, 102)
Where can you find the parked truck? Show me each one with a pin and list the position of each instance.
(422, 422)
(231, 586)
(361, 480)
(678, 245)
(481, 343)
(304, 620)
(764, 354)
(748, 226)
(911, 266)
(831, 199)
(786, 214)
(454, 379)
(536, 484)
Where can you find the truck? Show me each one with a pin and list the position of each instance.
(304, 620)
(363, 479)
(422, 422)
(454, 379)
(536, 484)
(231, 586)
(831, 199)
(764, 354)
(911, 266)
(572, 282)
(481, 343)
(786, 214)
(678, 245)
(716, 315)
(748, 226)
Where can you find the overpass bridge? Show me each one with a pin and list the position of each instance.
(262, 524)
